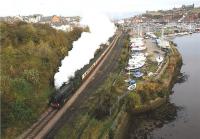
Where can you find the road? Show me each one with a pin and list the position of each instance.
(109, 65)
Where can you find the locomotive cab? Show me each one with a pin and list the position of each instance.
(60, 96)
(55, 100)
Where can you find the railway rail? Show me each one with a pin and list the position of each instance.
(37, 126)
(51, 116)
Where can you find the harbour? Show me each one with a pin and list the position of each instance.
(179, 116)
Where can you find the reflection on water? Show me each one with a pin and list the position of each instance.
(142, 125)
(187, 94)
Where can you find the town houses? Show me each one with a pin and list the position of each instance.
(55, 21)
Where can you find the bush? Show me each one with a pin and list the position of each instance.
(20, 85)
(22, 112)
(32, 76)
(106, 96)
(144, 97)
(105, 103)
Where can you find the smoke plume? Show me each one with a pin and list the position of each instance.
(101, 28)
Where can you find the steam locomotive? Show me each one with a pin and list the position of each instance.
(60, 96)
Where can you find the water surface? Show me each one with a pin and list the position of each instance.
(186, 95)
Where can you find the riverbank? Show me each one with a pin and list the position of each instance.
(158, 91)
(164, 81)
(185, 96)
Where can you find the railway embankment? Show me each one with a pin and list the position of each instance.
(108, 111)
(94, 114)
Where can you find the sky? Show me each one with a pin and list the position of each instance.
(113, 8)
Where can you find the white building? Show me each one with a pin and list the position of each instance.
(65, 28)
(35, 18)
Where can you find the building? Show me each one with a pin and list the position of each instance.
(187, 7)
(55, 19)
(65, 28)
(33, 18)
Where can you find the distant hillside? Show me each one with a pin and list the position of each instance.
(30, 56)
(191, 13)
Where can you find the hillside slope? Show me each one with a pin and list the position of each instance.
(30, 56)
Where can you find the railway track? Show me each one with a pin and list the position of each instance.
(109, 65)
(39, 125)
(51, 116)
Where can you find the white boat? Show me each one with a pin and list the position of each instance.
(138, 58)
(132, 87)
(136, 39)
(136, 64)
(137, 44)
(137, 61)
(138, 48)
(133, 66)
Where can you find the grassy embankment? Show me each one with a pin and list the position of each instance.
(30, 56)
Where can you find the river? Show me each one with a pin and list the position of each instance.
(186, 95)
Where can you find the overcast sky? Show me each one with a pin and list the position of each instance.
(77, 7)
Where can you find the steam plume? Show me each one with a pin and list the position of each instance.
(84, 48)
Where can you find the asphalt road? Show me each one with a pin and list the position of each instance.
(109, 65)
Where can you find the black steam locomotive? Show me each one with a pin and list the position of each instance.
(60, 96)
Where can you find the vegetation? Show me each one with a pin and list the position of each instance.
(160, 13)
(100, 108)
(103, 113)
(95, 120)
(30, 56)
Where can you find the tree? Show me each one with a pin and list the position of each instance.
(106, 100)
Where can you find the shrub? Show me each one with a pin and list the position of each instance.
(144, 97)
(20, 85)
(22, 112)
(32, 76)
